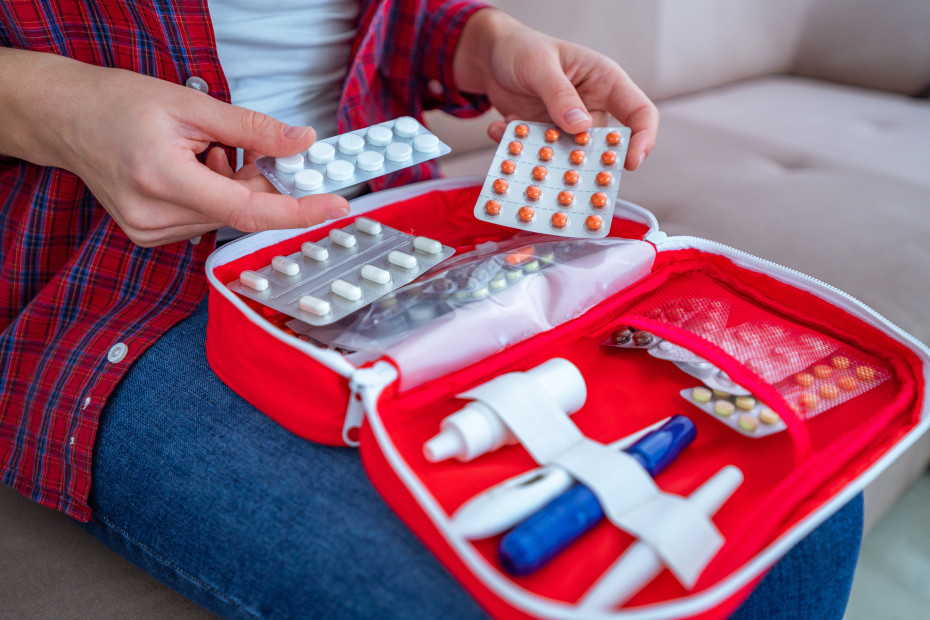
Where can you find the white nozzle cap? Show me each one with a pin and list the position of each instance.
(445, 445)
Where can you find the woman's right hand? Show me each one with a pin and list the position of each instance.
(134, 141)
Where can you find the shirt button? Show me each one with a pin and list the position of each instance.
(197, 84)
(117, 352)
(435, 88)
(194, 240)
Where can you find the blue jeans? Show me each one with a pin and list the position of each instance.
(217, 501)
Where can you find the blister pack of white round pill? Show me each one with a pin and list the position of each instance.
(547, 181)
(345, 160)
(341, 273)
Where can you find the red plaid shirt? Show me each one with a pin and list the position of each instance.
(75, 292)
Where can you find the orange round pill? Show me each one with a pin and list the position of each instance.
(804, 379)
(865, 373)
(552, 135)
(614, 138)
(492, 207)
(603, 178)
(571, 177)
(500, 186)
(507, 166)
(822, 371)
(829, 391)
(518, 257)
(539, 172)
(533, 192)
(582, 138)
(566, 198)
(608, 158)
(598, 199)
(521, 130)
(559, 220)
(515, 147)
(546, 153)
(840, 361)
(807, 401)
(593, 222)
(526, 214)
(576, 157)
(847, 383)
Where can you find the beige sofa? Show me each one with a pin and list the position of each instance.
(789, 129)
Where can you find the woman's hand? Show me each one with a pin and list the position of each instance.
(134, 139)
(531, 76)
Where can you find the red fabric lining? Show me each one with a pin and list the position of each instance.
(778, 492)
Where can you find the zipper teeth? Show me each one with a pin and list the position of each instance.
(845, 300)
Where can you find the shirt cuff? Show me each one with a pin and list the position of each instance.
(441, 34)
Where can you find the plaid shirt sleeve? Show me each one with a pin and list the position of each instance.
(79, 302)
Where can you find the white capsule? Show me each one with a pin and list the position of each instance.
(427, 245)
(254, 280)
(341, 237)
(340, 170)
(346, 290)
(426, 143)
(406, 127)
(308, 180)
(284, 265)
(314, 251)
(398, 151)
(379, 135)
(350, 143)
(370, 161)
(321, 153)
(402, 259)
(368, 226)
(314, 305)
(289, 164)
(376, 275)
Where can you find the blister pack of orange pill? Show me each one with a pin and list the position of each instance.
(547, 181)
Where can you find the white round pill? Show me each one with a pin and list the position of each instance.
(254, 280)
(406, 127)
(321, 153)
(284, 265)
(427, 245)
(346, 290)
(379, 135)
(368, 226)
(314, 251)
(314, 305)
(341, 237)
(402, 259)
(426, 143)
(340, 170)
(289, 164)
(376, 274)
(308, 180)
(370, 160)
(351, 144)
(398, 151)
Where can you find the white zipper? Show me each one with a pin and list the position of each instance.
(366, 385)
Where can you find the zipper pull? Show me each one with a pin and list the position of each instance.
(366, 385)
(655, 237)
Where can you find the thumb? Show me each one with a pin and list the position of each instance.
(565, 107)
(250, 130)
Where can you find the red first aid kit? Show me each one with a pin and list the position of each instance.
(825, 393)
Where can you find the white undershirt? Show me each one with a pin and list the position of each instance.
(287, 59)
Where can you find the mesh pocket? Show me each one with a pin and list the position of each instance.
(818, 375)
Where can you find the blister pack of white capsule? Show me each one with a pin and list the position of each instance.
(546, 181)
(341, 273)
(345, 160)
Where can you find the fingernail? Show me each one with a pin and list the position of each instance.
(336, 212)
(576, 115)
(295, 133)
(642, 158)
